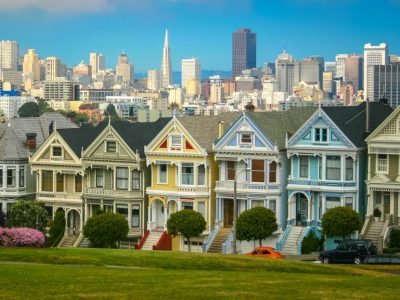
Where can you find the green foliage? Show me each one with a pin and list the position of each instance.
(341, 221)
(254, 224)
(28, 213)
(57, 227)
(377, 213)
(105, 230)
(186, 222)
(250, 107)
(312, 243)
(112, 113)
(394, 238)
(29, 109)
(44, 106)
(391, 250)
(3, 219)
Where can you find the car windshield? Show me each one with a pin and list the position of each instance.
(342, 247)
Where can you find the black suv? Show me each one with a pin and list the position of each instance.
(348, 251)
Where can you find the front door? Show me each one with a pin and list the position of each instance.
(228, 212)
(302, 210)
(386, 204)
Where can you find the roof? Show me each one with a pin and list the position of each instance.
(204, 129)
(276, 124)
(352, 119)
(10, 146)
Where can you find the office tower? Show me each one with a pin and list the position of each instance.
(153, 79)
(327, 82)
(9, 55)
(191, 70)
(31, 65)
(373, 55)
(353, 71)
(284, 66)
(244, 54)
(54, 68)
(124, 69)
(386, 83)
(166, 67)
(393, 58)
(310, 70)
(330, 66)
(82, 69)
(97, 61)
(340, 64)
(60, 89)
(216, 89)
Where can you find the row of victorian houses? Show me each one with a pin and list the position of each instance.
(298, 163)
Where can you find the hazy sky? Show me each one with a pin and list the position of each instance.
(71, 29)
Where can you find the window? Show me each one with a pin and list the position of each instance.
(272, 205)
(319, 167)
(230, 170)
(122, 178)
(162, 173)
(272, 172)
(349, 168)
(10, 177)
(333, 167)
(201, 175)
(99, 178)
(135, 216)
(21, 177)
(187, 205)
(257, 171)
(135, 180)
(59, 183)
(122, 209)
(111, 146)
(303, 167)
(332, 202)
(78, 183)
(187, 174)
(176, 142)
(1, 177)
(47, 181)
(382, 163)
(246, 138)
(348, 202)
(201, 208)
(321, 135)
(256, 203)
(57, 151)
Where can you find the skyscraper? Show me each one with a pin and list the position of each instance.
(373, 56)
(243, 51)
(153, 79)
(31, 64)
(386, 83)
(97, 61)
(340, 64)
(166, 67)
(284, 66)
(191, 70)
(124, 69)
(353, 71)
(9, 55)
(54, 68)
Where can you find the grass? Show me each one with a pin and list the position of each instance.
(123, 274)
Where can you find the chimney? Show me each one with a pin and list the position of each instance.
(220, 129)
(31, 140)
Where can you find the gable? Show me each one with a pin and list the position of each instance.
(388, 130)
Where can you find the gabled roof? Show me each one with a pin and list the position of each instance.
(10, 146)
(276, 124)
(204, 129)
(351, 120)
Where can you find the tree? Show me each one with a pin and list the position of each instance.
(28, 213)
(254, 224)
(105, 230)
(43, 105)
(186, 222)
(57, 228)
(340, 221)
(250, 107)
(29, 109)
(112, 113)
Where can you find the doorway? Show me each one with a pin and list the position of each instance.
(228, 212)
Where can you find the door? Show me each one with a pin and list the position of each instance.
(228, 212)
(386, 204)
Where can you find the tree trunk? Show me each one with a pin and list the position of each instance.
(260, 240)
(188, 239)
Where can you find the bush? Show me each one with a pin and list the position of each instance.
(391, 250)
(57, 227)
(377, 213)
(21, 237)
(3, 219)
(394, 238)
(28, 213)
(312, 243)
(105, 230)
(341, 221)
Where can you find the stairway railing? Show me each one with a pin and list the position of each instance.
(281, 243)
(207, 243)
(366, 226)
(227, 246)
(78, 240)
(142, 240)
(302, 236)
(164, 243)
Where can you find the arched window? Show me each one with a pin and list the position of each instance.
(272, 172)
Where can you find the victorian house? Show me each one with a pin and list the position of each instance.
(328, 162)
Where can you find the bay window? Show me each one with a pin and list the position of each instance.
(162, 173)
(122, 178)
(272, 172)
(201, 175)
(11, 177)
(187, 174)
(333, 167)
(349, 169)
(257, 170)
(135, 180)
(47, 181)
(303, 161)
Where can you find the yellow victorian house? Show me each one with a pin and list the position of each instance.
(183, 176)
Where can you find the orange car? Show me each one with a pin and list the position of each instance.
(268, 252)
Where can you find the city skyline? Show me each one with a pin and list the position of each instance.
(304, 28)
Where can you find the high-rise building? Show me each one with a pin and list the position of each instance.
(386, 84)
(97, 61)
(60, 89)
(310, 70)
(340, 65)
(191, 70)
(244, 53)
(31, 65)
(166, 67)
(124, 69)
(153, 79)
(327, 82)
(330, 66)
(216, 89)
(54, 68)
(284, 66)
(9, 55)
(353, 71)
(373, 56)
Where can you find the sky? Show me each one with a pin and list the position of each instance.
(71, 29)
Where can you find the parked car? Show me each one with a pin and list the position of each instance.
(268, 252)
(349, 251)
(385, 259)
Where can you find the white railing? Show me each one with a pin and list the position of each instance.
(210, 238)
(193, 189)
(228, 185)
(107, 192)
(227, 246)
(58, 195)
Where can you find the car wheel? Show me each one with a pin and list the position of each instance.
(357, 260)
(325, 260)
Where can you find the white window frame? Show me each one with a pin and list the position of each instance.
(159, 174)
(175, 146)
(320, 128)
(382, 171)
(95, 178)
(106, 146)
(241, 138)
(308, 166)
(56, 157)
(193, 173)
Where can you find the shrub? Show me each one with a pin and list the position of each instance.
(377, 213)
(394, 238)
(341, 221)
(312, 243)
(21, 237)
(256, 223)
(105, 230)
(57, 227)
(28, 213)
(3, 219)
(391, 250)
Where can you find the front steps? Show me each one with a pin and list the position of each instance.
(295, 238)
(374, 231)
(68, 241)
(152, 240)
(216, 245)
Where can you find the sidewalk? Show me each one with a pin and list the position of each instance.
(303, 257)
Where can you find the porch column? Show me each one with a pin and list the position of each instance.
(130, 216)
(323, 200)
(81, 222)
(149, 218)
(86, 211)
(370, 202)
(309, 211)
(165, 217)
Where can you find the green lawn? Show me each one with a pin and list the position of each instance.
(123, 274)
